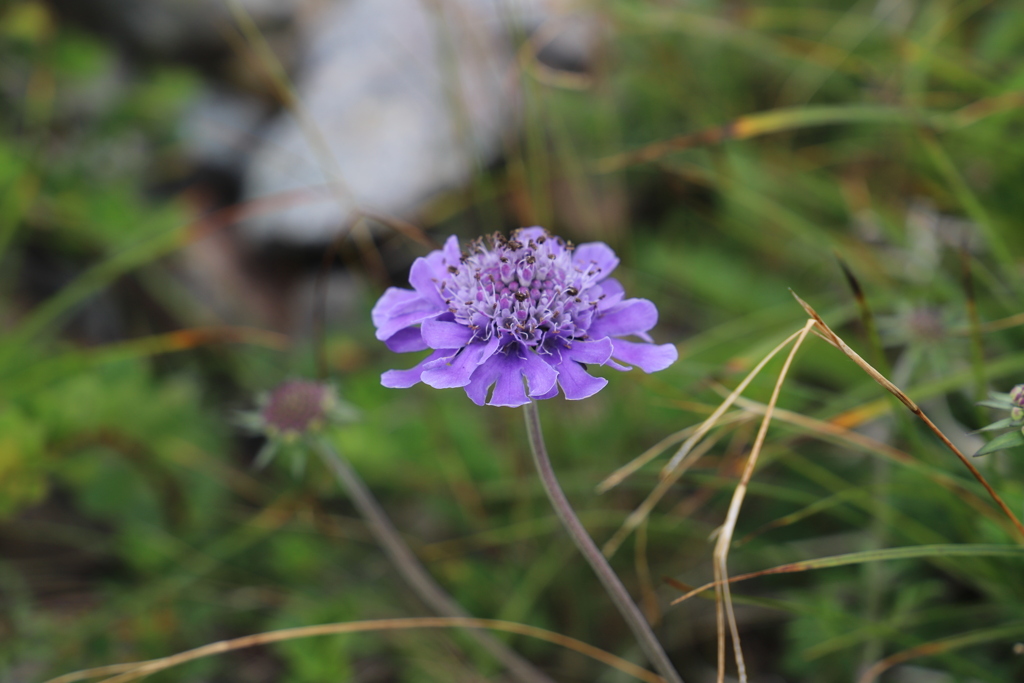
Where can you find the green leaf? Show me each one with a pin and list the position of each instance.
(1008, 440)
(997, 403)
(1000, 424)
(901, 553)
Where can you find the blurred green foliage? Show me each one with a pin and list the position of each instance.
(133, 526)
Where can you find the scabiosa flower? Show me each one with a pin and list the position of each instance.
(291, 411)
(529, 306)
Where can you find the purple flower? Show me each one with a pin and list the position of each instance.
(530, 306)
(1017, 399)
(297, 406)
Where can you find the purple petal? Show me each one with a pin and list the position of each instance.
(400, 308)
(632, 316)
(598, 253)
(452, 253)
(405, 340)
(647, 357)
(393, 302)
(499, 370)
(508, 391)
(554, 245)
(403, 379)
(612, 291)
(526, 234)
(551, 393)
(438, 334)
(617, 366)
(505, 370)
(455, 371)
(423, 278)
(437, 261)
(483, 378)
(539, 374)
(576, 382)
(595, 352)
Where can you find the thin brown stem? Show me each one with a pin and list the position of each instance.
(723, 594)
(616, 591)
(137, 670)
(826, 333)
(409, 566)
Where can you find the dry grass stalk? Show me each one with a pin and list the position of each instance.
(640, 515)
(827, 429)
(823, 331)
(723, 597)
(622, 473)
(136, 670)
(713, 419)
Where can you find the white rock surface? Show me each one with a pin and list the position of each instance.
(219, 128)
(410, 97)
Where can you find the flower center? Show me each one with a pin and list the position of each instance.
(522, 290)
(296, 405)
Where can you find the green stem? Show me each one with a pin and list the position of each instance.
(618, 593)
(409, 566)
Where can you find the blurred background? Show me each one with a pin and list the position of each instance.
(189, 188)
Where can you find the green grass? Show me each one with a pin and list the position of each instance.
(729, 153)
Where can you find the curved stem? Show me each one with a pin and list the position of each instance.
(409, 566)
(618, 593)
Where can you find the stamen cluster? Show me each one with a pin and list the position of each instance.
(524, 289)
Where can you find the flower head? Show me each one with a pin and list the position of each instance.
(292, 411)
(1017, 399)
(528, 306)
(297, 406)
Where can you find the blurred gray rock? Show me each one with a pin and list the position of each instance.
(407, 98)
(219, 128)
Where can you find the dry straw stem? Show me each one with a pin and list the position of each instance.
(823, 331)
(136, 670)
(648, 598)
(714, 418)
(1007, 323)
(689, 453)
(723, 597)
(829, 429)
(793, 118)
(622, 473)
(229, 215)
(942, 550)
(194, 337)
(640, 515)
(941, 646)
